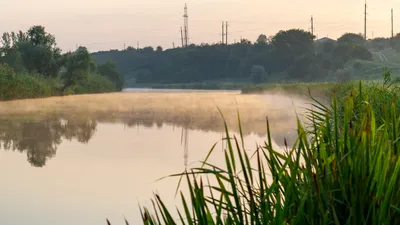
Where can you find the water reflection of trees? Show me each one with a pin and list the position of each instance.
(283, 125)
(40, 138)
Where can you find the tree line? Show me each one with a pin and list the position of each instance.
(31, 65)
(289, 55)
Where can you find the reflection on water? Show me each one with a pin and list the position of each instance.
(40, 139)
(86, 163)
(185, 143)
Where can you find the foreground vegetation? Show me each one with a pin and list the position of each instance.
(31, 65)
(343, 169)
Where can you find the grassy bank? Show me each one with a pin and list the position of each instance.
(343, 169)
(318, 89)
(24, 86)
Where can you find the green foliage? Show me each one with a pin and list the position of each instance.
(360, 52)
(293, 42)
(292, 52)
(379, 44)
(344, 75)
(110, 71)
(293, 47)
(6, 70)
(351, 39)
(159, 49)
(77, 67)
(93, 84)
(395, 42)
(23, 86)
(379, 95)
(333, 56)
(34, 51)
(341, 170)
(30, 64)
(258, 74)
(262, 39)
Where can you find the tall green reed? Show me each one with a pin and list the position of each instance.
(343, 169)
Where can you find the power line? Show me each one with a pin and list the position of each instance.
(365, 20)
(186, 25)
(392, 22)
(226, 34)
(182, 38)
(312, 25)
(223, 30)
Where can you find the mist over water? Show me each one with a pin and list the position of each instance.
(80, 159)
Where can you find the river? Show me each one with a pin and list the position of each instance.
(82, 159)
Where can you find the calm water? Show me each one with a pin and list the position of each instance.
(74, 169)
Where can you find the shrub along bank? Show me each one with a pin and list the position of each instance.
(31, 65)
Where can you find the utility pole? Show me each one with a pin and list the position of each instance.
(392, 25)
(312, 25)
(223, 30)
(186, 26)
(124, 47)
(173, 44)
(365, 20)
(183, 45)
(138, 45)
(226, 33)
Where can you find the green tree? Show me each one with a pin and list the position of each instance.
(258, 74)
(262, 39)
(38, 51)
(360, 52)
(293, 42)
(77, 67)
(110, 71)
(159, 49)
(38, 36)
(351, 38)
(244, 41)
(292, 46)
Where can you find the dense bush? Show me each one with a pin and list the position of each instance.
(21, 86)
(94, 84)
(31, 65)
(258, 74)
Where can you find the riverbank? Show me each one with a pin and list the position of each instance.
(31, 86)
(317, 89)
(323, 89)
(196, 86)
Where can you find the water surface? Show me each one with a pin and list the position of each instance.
(81, 159)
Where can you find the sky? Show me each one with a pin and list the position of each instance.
(111, 24)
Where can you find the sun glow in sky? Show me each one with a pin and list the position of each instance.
(109, 24)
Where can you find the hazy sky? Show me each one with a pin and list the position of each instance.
(105, 24)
